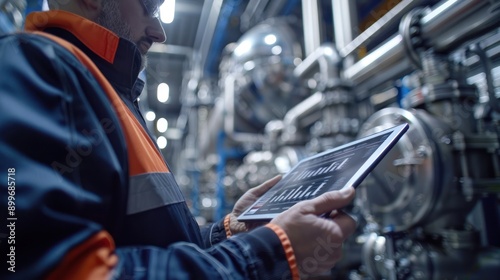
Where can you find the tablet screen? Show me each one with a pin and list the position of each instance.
(331, 170)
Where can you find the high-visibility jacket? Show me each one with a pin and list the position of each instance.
(93, 198)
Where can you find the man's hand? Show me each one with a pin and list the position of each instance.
(316, 241)
(245, 201)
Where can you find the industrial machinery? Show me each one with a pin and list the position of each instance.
(11, 15)
(431, 208)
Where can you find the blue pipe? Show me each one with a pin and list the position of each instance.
(33, 6)
(224, 154)
(221, 172)
(195, 193)
(289, 7)
(220, 36)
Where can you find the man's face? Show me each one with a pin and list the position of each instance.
(133, 20)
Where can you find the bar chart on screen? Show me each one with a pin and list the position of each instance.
(301, 192)
(302, 184)
(322, 169)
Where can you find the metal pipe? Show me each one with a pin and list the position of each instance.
(451, 22)
(254, 7)
(230, 117)
(448, 14)
(345, 24)
(325, 58)
(486, 63)
(205, 33)
(274, 7)
(384, 57)
(312, 32)
(207, 143)
(344, 21)
(391, 18)
(434, 25)
(311, 104)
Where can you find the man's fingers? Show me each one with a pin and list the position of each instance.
(329, 201)
(346, 223)
(264, 187)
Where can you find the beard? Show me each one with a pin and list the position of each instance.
(110, 17)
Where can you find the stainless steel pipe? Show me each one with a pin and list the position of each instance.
(445, 25)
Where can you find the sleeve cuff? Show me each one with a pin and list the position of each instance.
(287, 247)
(227, 220)
(214, 234)
(264, 254)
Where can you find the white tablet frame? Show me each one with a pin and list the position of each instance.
(395, 134)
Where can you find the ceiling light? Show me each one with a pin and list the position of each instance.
(163, 92)
(243, 48)
(167, 11)
(276, 50)
(162, 142)
(150, 116)
(162, 125)
(270, 39)
(249, 65)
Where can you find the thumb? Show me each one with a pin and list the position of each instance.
(332, 200)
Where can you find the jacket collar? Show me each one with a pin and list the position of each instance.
(117, 58)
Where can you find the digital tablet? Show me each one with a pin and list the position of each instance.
(334, 169)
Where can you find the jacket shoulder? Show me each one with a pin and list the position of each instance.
(36, 49)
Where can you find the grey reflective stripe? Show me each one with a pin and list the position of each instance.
(152, 190)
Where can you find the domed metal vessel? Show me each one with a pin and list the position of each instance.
(262, 64)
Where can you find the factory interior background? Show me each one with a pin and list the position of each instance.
(244, 89)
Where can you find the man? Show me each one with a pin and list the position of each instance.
(88, 193)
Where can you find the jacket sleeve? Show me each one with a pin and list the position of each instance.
(61, 218)
(213, 233)
(50, 212)
(255, 255)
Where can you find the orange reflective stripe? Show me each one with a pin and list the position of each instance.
(287, 246)
(146, 160)
(144, 157)
(97, 38)
(93, 260)
(227, 228)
